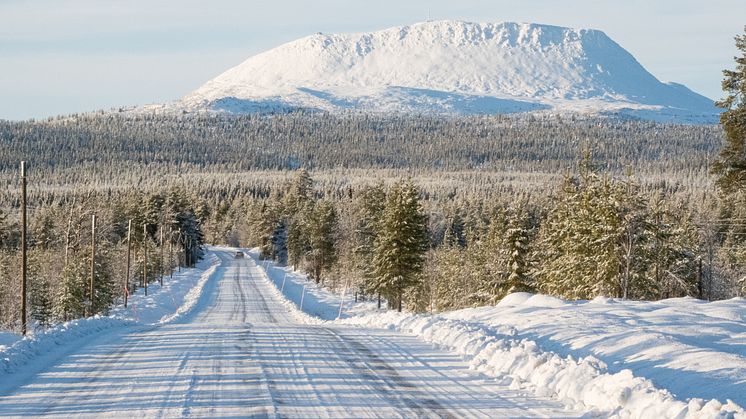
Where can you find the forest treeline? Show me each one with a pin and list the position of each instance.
(74, 149)
(495, 204)
(164, 232)
(596, 234)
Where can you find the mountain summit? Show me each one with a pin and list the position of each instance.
(452, 67)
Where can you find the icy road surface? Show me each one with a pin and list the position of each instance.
(241, 353)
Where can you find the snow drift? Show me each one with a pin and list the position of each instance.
(452, 67)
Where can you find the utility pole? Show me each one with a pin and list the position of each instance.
(178, 256)
(170, 252)
(188, 253)
(93, 264)
(23, 248)
(145, 254)
(700, 293)
(161, 267)
(127, 275)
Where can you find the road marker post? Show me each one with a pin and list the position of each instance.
(302, 296)
(284, 278)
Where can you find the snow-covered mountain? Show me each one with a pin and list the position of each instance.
(452, 67)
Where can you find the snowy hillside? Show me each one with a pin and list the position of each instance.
(452, 67)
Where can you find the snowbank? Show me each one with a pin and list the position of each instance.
(582, 382)
(35, 345)
(177, 297)
(7, 339)
(317, 301)
(669, 359)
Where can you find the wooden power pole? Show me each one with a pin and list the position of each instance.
(23, 248)
(127, 274)
(170, 252)
(93, 264)
(160, 268)
(145, 257)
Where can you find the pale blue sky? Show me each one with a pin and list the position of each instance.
(65, 56)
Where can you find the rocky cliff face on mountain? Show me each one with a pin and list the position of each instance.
(454, 68)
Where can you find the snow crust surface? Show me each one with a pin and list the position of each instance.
(452, 67)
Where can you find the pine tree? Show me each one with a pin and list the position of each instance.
(399, 251)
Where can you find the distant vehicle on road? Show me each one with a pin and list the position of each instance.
(239, 255)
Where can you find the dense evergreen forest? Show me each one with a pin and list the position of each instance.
(477, 206)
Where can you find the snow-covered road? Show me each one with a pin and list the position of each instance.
(242, 353)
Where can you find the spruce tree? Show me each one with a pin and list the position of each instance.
(297, 213)
(455, 234)
(517, 242)
(399, 251)
(298, 240)
(731, 165)
(68, 303)
(322, 252)
(633, 236)
(672, 249)
(40, 291)
(370, 204)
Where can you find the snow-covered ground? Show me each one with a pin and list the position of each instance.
(228, 338)
(672, 358)
(239, 349)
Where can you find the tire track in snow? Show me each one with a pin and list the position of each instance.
(389, 383)
(108, 363)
